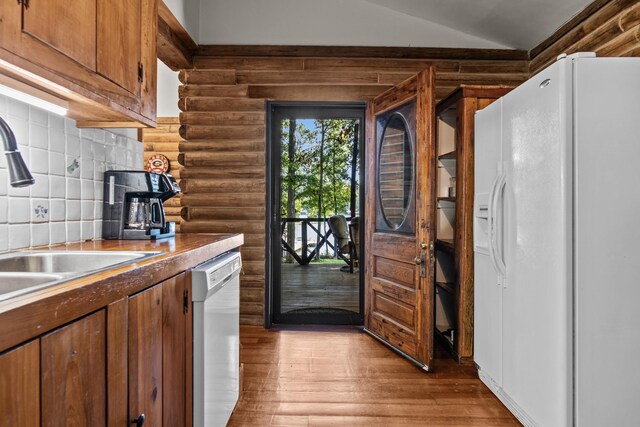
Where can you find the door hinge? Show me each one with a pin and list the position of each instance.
(140, 68)
(185, 307)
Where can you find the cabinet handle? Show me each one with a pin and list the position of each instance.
(138, 421)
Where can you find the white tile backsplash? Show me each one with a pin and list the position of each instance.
(57, 232)
(19, 236)
(19, 210)
(4, 210)
(57, 210)
(57, 164)
(4, 181)
(73, 231)
(39, 136)
(73, 210)
(68, 164)
(57, 140)
(57, 187)
(4, 237)
(74, 189)
(39, 234)
(41, 188)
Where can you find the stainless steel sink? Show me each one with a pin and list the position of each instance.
(66, 262)
(14, 284)
(26, 271)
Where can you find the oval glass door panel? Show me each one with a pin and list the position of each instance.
(395, 171)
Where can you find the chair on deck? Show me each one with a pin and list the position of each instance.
(345, 245)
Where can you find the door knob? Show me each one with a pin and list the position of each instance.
(421, 259)
(138, 421)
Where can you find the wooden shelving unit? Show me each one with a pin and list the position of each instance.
(454, 215)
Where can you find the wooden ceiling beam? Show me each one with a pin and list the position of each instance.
(362, 52)
(175, 46)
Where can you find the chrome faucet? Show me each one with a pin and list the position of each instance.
(19, 175)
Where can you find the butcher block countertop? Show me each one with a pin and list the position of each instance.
(28, 316)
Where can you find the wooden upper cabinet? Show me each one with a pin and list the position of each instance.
(119, 43)
(70, 28)
(97, 56)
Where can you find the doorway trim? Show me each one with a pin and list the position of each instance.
(315, 110)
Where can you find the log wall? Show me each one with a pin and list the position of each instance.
(608, 27)
(165, 139)
(223, 123)
(222, 100)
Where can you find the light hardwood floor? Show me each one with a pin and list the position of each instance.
(346, 378)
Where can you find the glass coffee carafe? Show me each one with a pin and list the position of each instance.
(144, 213)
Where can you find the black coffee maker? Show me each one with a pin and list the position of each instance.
(133, 205)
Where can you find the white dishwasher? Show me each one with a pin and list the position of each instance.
(216, 339)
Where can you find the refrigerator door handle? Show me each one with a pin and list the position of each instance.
(491, 221)
(496, 214)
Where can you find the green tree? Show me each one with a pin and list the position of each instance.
(316, 169)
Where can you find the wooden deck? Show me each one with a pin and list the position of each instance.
(319, 285)
(349, 379)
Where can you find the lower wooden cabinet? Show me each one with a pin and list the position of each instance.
(158, 384)
(20, 386)
(108, 368)
(73, 374)
(145, 356)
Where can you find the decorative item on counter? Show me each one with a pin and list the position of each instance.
(158, 163)
(452, 186)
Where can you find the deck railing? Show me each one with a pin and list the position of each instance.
(320, 237)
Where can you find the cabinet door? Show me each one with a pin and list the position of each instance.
(145, 356)
(74, 373)
(174, 346)
(70, 28)
(20, 386)
(119, 42)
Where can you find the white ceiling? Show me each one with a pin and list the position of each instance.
(520, 24)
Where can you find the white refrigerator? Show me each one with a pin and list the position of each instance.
(557, 244)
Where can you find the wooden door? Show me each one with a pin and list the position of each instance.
(20, 386)
(119, 42)
(73, 378)
(145, 356)
(174, 344)
(68, 27)
(399, 294)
